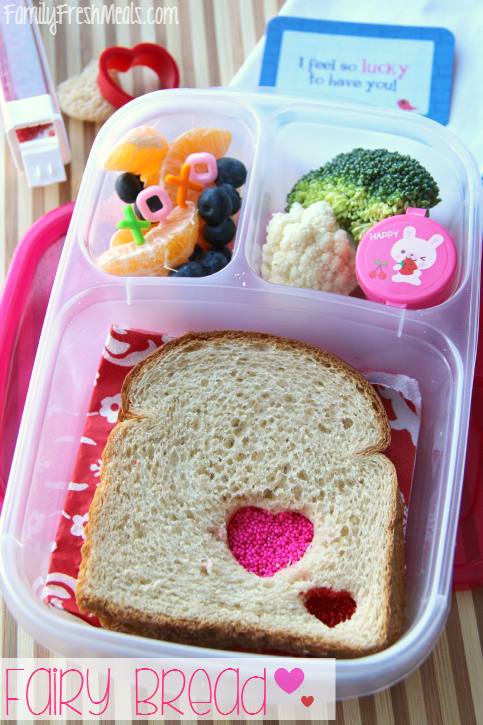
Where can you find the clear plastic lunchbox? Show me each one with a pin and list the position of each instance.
(279, 138)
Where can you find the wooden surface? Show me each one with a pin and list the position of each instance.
(209, 44)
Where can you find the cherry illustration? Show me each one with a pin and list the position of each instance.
(380, 265)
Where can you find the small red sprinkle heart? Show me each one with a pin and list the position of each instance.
(307, 701)
(264, 543)
(328, 606)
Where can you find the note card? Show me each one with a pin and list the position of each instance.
(399, 67)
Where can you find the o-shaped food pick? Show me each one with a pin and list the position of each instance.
(154, 192)
(206, 177)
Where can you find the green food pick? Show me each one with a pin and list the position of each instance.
(134, 224)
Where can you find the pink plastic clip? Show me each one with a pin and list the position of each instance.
(206, 177)
(166, 204)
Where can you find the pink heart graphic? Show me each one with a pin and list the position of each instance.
(265, 543)
(289, 681)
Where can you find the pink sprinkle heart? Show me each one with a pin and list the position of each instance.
(264, 543)
(289, 681)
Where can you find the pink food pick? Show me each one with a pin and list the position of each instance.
(264, 543)
(154, 216)
(205, 177)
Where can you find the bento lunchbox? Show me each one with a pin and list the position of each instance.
(279, 138)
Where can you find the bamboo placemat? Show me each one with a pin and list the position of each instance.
(210, 43)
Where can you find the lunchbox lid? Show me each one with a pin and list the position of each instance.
(23, 303)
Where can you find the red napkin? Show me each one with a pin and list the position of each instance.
(123, 350)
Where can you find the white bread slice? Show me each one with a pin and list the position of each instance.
(212, 422)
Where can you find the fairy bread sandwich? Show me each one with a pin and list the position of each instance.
(214, 423)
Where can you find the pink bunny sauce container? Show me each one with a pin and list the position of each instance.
(407, 261)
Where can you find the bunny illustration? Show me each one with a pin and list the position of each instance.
(413, 255)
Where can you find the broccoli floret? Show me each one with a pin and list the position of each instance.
(365, 186)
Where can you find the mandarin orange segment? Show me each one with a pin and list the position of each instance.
(151, 179)
(140, 151)
(165, 247)
(213, 140)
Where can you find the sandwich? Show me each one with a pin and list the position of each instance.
(245, 502)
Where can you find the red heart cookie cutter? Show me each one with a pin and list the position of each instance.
(122, 59)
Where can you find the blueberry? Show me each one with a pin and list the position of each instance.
(138, 213)
(231, 171)
(226, 252)
(128, 187)
(196, 253)
(234, 196)
(214, 205)
(212, 261)
(221, 234)
(188, 269)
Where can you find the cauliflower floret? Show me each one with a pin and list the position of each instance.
(306, 248)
